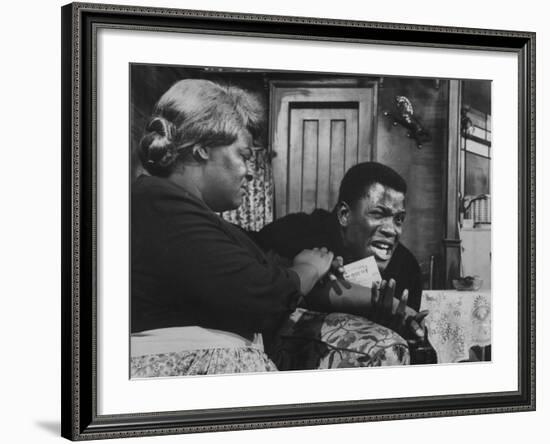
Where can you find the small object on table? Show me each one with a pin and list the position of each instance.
(468, 283)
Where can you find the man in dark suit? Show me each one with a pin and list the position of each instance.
(367, 221)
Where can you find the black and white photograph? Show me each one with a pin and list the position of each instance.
(299, 221)
(274, 221)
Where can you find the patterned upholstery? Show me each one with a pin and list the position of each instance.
(312, 340)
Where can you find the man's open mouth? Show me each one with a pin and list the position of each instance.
(382, 250)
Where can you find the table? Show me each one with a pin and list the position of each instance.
(458, 321)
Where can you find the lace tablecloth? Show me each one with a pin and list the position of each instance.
(458, 320)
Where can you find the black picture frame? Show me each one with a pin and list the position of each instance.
(80, 420)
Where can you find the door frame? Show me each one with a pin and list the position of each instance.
(283, 92)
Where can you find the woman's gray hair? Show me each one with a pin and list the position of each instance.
(196, 112)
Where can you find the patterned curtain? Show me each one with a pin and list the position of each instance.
(257, 208)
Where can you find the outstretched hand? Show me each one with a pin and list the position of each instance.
(395, 314)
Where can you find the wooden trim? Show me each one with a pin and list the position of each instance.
(451, 242)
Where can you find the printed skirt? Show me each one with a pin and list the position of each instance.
(201, 362)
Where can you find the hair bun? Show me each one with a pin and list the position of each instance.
(161, 126)
(157, 149)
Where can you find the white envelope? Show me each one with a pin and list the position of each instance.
(363, 272)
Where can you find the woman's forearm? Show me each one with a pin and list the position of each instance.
(308, 275)
(310, 265)
(354, 300)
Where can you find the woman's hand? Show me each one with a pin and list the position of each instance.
(311, 265)
(318, 258)
(395, 314)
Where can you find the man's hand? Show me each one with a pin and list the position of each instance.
(336, 275)
(395, 314)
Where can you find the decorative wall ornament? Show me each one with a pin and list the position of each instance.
(404, 115)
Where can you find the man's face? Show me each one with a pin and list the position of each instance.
(373, 227)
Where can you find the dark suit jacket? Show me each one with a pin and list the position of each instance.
(293, 233)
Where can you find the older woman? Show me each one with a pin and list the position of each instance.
(202, 291)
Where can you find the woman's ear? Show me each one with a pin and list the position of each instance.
(200, 153)
(343, 213)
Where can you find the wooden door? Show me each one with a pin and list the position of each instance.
(318, 133)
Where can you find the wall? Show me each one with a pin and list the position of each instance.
(30, 226)
(423, 168)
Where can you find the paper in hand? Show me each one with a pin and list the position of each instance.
(363, 272)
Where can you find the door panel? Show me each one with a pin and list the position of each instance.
(310, 149)
(321, 140)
